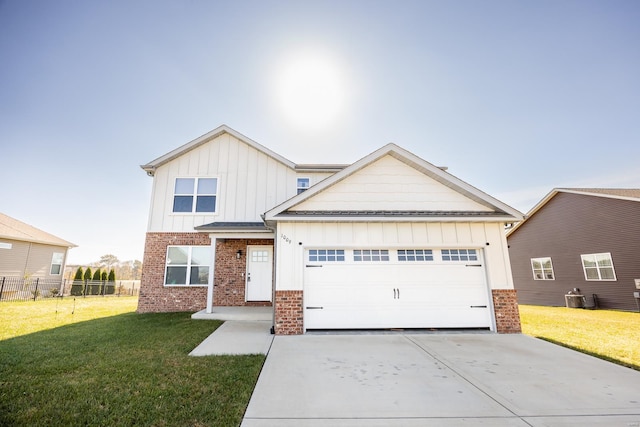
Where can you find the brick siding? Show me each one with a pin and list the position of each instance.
(229, 289)
(289, 313)
(505, 303)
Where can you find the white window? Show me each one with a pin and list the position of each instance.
(542, 269)
(459, 255)
(187, 265)
(371, 255)
(56, 263)
(4, 245)
(195, 195)
(326, 255)
(259, 256)
(598, 266)
(302, 184)
(415, 255)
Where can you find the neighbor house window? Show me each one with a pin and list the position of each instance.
(598, 266)
(187, 265)
(56, 263)
(415, 255)
(459, 255)
(195, 195)
(4, 245)
(371, 255)
(302, 184)
(326, 255)
(542, 269)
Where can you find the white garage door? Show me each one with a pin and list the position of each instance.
(395, 288)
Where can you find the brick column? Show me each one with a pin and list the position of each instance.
(505, 304)
(289, 313)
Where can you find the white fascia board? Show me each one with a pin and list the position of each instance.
(299, 218)
(593, 194)
(154, 164)
(240, 235)
(414, 161)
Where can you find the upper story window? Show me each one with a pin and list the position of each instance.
(195, 195)
(302, 184)
(56, 263)
(415, 255)
(542, 269)
(598, 266)
(459, 255)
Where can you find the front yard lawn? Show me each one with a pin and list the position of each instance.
(125, 369)
(610, 335)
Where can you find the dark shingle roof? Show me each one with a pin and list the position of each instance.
(246, 226)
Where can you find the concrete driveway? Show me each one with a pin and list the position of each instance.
(438, 380)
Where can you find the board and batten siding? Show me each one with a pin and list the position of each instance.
(567, 226)
(293, 238)
(26, 259)
(249, 184)
(389, 184)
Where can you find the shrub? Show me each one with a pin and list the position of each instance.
(87, 274)
(78, 275)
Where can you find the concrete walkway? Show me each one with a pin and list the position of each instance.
(438, 380)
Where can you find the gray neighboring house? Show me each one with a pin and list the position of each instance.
(587, 239)
(29, 253)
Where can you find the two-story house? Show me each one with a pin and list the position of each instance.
(390, 241)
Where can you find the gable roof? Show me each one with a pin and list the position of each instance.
(632, 194)
(151, 167)
(12, 229)
(498, 210)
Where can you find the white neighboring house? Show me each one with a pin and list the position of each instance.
(29, 253)
(390, 241)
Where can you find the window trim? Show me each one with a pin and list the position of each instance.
(194, 195)
(542, 260)
(597, 267)
(51, 273)
(302, 188)
(188, 266)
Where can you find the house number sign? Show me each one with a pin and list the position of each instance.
(285, 238)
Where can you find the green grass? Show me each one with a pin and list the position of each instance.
(607, 334)
(106, 365)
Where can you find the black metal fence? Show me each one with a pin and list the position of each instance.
(19, 289)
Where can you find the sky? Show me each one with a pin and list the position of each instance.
(514, 97)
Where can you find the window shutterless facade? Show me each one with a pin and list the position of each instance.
(56, 263)
(187, 265)
(598, 267)
(302, 184)
(542, 268)
(195, 195)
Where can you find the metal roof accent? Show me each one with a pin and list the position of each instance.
(13, 229)
(393, 213)
(235, 226)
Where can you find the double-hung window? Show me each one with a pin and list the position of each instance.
(187, 265)
(194, 195)
(598, 266)
(302, 184)
(542, 269)
(56, 263)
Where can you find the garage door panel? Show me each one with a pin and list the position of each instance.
(396, 295)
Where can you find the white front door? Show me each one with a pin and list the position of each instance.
(259, 273)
